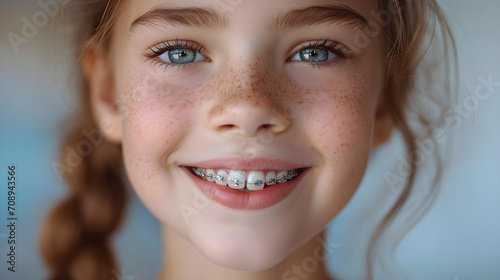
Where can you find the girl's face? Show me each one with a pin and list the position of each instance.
(243, 88)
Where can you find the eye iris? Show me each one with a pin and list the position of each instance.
(314, 55)
(182, 56)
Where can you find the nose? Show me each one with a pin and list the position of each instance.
(248, 111)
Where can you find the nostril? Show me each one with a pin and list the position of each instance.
(266, 126)
(226, 127)
(248, 121)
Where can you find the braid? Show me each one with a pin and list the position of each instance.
(76, 234)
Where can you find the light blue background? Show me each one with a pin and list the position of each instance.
(459, 238)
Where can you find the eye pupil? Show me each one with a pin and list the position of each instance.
(182, 56)
(314, 55)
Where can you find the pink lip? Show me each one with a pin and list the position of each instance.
(257, 164)
(255, 200)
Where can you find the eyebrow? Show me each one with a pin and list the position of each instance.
(195, 17)
(209, 18)
(315, 15)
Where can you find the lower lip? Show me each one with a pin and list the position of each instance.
(254, 200)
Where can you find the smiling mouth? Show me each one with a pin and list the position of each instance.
(246, 181)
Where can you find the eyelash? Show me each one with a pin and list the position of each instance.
(161, 48)
(335, 47)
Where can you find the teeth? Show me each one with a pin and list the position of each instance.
(200, 172)
(282, 177)
(255, 180)
(236, 180)
(271, 178)
(210, 175)
(221, 178)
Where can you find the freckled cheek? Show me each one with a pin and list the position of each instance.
(154, 125)
(337, 134)
(340, 126)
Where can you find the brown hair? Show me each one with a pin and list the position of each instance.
(75, 236)
(410, 35)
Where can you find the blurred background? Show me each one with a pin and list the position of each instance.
(458, 239)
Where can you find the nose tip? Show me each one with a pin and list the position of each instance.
(248, 118)
(247, 102)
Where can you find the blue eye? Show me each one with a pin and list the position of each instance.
(177, 53)
(313, 55)
(182, 56)
(319, 51)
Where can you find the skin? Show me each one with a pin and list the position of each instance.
(164, 118)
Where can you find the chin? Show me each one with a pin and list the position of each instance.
(244, 256)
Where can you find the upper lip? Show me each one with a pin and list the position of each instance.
(247, 164)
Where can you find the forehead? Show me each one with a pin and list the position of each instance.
(238, 13)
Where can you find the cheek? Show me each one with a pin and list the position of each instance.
(341, 115)
(338, 119)
(155, 118)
